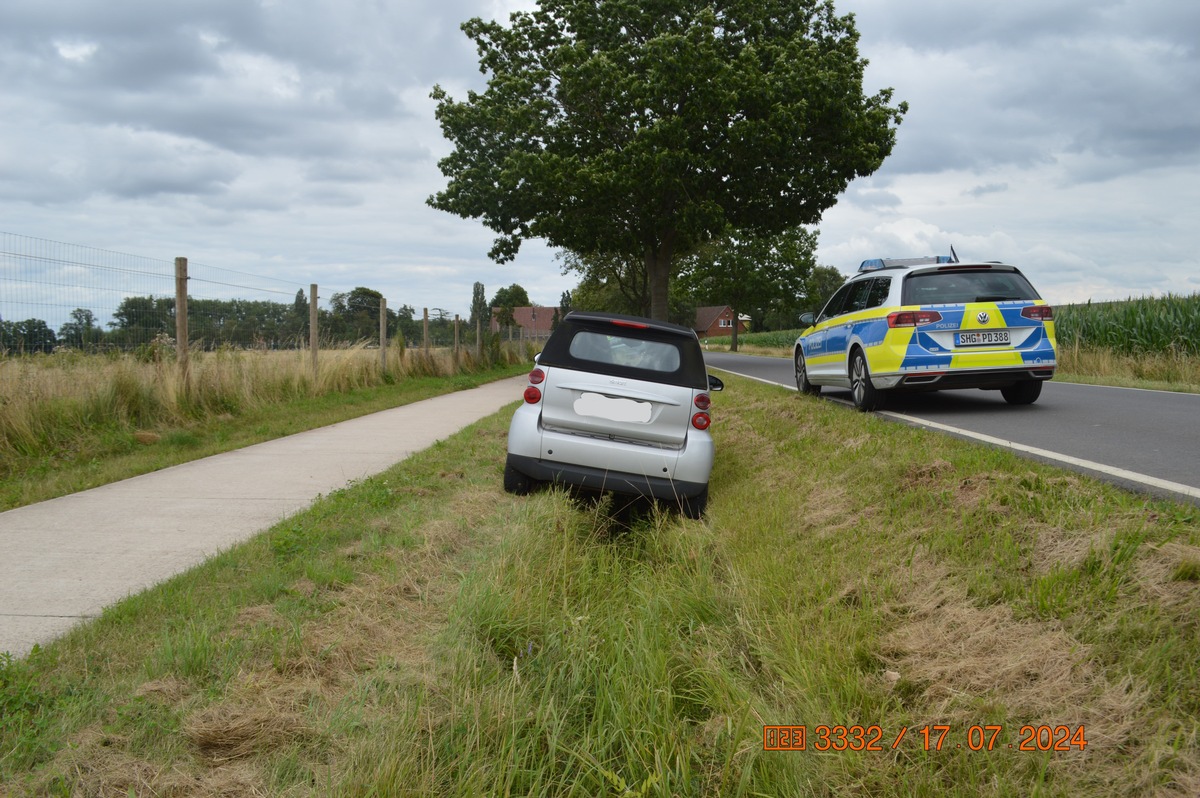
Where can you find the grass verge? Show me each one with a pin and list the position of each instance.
(70, 424)
(422, 633)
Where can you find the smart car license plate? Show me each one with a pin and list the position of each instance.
(984, 338)
(613, 408)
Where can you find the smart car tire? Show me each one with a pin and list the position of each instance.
(515, 482)
(693, 506)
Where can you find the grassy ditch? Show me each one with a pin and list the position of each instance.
(72, 421)
(423, 633)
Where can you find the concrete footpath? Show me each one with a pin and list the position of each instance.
(62, 561)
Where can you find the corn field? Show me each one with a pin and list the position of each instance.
(1150, 325)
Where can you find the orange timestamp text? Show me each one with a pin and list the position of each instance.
(934, 737)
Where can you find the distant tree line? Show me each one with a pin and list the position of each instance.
(212, 323)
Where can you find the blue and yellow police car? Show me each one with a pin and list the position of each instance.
(929, 324)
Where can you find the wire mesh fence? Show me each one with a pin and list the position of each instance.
(56, 295)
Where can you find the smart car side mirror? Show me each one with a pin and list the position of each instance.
(808, 319)
(715, 384)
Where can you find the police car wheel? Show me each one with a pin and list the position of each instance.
(802, 383)
(1022, 393)
(866, 396)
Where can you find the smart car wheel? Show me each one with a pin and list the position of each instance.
(802, 383)
(866, 396)
(515, 482)
(1022, 393)
(693, 506)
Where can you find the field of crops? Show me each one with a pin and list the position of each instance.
(1150, 325)
(775, 339)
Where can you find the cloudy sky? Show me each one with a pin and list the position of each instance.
(295, 139)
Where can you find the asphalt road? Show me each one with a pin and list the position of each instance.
(1143, 440)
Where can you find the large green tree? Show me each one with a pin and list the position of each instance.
(354, 316)
(480, 312)
(506, 299)
(82, 330)
(751, 273)
(636, 128)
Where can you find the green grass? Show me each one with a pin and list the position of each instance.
(422, 633)
(81, 456)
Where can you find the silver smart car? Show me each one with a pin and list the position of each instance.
(616, 403)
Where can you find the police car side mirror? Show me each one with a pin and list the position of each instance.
(715, 384)
(808, 319)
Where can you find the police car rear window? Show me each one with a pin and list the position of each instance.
(960, 287)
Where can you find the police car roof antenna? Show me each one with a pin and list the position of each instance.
(953, 255)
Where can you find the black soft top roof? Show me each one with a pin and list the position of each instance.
(663, 326)
(690, 373)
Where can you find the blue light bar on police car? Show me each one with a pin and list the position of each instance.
(883, 263)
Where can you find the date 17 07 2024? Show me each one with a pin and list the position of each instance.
(936, 737)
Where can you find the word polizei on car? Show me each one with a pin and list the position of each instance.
(929, 324)
(616, 403)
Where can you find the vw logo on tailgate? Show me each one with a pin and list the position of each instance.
(983, 317)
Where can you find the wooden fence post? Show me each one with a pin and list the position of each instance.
(425, 332)
(181, 323)
(383, 335)
(312, 328)
(456, 321)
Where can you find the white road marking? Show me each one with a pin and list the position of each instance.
(1112, 471)
(1118, 473)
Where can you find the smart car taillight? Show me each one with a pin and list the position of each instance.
(701, 421)
(1038, 313)
(913, 318)
(536, 376)
(702, 401)
(533, 395)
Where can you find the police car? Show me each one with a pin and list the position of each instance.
(929, 324)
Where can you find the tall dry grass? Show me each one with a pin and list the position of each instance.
(48, 401)
(1171, 370)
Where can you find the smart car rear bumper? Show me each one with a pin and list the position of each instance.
(601, 479)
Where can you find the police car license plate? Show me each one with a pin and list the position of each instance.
(984, 338)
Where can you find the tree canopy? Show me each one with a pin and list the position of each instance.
(506, 299)
(625, 128)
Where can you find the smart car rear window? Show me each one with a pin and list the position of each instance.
(642, 354)
(960, 287)
(622, 351)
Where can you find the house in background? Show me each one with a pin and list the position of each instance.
(533, 322)
(717, 321)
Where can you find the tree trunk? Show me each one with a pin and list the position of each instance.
(658, 274)
(733, 343)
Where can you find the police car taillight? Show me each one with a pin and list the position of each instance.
(913, 318)
(701, 421)
(702, 401)
(536, 376)
(533, 395)
(1038, 313)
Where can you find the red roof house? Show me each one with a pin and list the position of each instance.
(533, 321)
(716, 321)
